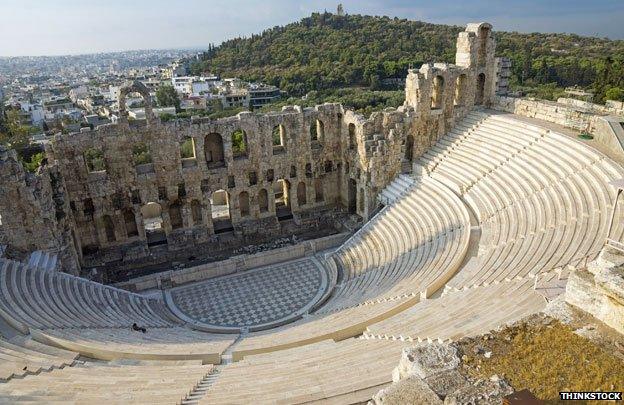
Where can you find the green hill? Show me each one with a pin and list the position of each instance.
(327, 51)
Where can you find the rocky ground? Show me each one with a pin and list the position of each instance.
(562, 350)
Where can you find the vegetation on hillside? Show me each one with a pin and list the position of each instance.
(361, 100)
(13, 133)
(327, 51)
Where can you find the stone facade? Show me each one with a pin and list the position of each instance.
(34, 212)
(134, 187)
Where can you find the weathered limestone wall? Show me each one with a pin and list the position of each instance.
(41, 222)
(599, 289)
(575, 114)
(308, 164)
(604, 122)
(440, 94)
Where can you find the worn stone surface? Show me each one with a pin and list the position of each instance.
(482, 392)
(411, 390)
(599, 289)
(435, 368)
(446, 382)
(34, 212)
(428, 359)
(575, 114)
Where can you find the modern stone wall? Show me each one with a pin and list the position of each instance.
(330, 159)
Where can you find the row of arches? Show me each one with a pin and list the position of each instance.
(213, 148)
(153, 222)
(94, 158)
(461, 89)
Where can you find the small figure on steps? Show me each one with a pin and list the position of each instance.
(136, 328)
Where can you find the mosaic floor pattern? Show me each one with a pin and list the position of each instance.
(254, 297)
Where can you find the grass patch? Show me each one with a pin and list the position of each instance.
(545, 359)
(586, 135)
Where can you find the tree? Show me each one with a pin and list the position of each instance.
(615, 93)
(15, 135)
(327, 51)
(167, 96)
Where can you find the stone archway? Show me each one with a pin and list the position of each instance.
(352, 197)
(480, 92)
(153, 224)
(135, 87)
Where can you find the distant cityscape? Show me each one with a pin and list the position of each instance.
(65, 93)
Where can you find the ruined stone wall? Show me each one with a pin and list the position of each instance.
(577, 115)
(34, 212)
(310, 168)
(440, 94)
(331, 159)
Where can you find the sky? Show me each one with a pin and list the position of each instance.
(59, 27)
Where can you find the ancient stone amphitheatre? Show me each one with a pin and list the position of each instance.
(458, 212)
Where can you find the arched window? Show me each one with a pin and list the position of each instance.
(301, 194)
(281, 190)
(352, 196)
(352, 142)
(239, 143)
(329, 166)
(109, 228)
(153, 224)
(263, 200)
(196, 212)
(437, 93)
(141, 154)
(175, 215)
(213, 150)
(94, 159)
(187, 148)
(130, 222)
(361, 200)
(479, 94)
(318, 190)
(317, 131)
(220, 205)
(243, 203)
(409, 147)
(279, 138)
(484, 33)
(460, 90)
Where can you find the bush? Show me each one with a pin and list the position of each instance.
(615, 93)
(35, 161)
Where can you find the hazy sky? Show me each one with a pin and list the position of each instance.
(53, 27)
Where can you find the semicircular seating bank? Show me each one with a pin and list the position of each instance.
(496, 205)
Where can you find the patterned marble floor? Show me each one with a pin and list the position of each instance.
(254, 297)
